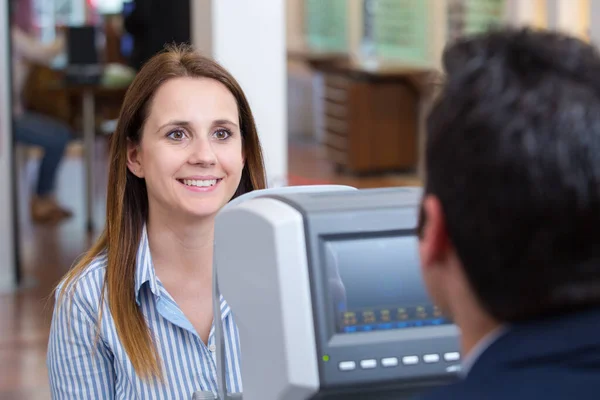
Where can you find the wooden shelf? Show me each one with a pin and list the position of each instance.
(370, 119)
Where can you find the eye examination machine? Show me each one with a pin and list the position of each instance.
(325, 287)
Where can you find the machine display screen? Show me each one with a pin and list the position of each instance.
(375, 284)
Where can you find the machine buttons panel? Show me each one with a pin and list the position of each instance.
(410, 360)
(347, 365)
(368, 364)
(389, 362)
(453, 356)
(431, 358)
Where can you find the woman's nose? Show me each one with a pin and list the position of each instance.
(202, 153)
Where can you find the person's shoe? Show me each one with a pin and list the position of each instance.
(65, 213)
(45, 209)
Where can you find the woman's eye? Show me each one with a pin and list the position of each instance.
(176, 135)
(222, 134)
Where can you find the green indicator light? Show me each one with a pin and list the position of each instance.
(325, 358)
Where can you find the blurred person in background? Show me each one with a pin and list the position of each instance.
(152, 24)
(31, 128)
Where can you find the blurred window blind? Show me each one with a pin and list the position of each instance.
(468, 17)
(400, 29)
(326, 25)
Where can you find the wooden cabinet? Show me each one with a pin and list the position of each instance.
(370, 120)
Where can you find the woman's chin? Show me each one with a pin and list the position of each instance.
(197, 216)
(202, 211)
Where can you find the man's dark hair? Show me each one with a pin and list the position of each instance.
(513, 154)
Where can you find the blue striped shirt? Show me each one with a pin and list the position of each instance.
(81, 368)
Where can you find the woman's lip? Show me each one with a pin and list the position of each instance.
(200, 189)
(199, 178)
(181, 180)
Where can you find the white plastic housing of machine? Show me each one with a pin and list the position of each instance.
(298, 302)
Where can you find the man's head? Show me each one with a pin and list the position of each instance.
(511, 211)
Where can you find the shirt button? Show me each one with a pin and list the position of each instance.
(212, 348)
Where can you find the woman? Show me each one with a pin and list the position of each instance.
(133, 319)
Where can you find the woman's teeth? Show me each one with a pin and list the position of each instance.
(200, 183)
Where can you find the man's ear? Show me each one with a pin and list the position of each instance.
(134, 159)
(434, 240)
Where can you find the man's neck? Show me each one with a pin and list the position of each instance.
(474, 332)
(469, 315)
(474, 322)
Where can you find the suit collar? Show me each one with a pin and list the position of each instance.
(481, 347)
(530, 342)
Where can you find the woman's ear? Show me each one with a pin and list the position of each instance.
(134, 159)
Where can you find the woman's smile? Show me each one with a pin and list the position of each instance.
(200, 184)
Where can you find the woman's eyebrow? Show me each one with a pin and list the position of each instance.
(185, 124)
(225, 121)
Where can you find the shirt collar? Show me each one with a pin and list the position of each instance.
(481, 346)
(144, 268)
(225, 310)
(144, 272)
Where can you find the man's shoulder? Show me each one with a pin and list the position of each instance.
(538, 383)
(474, 390)
(545, 359)
(457, 390)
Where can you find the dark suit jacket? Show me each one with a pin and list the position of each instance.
(553, 359)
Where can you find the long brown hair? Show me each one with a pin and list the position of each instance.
(127, 199)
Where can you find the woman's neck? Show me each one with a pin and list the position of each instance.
(182, 251)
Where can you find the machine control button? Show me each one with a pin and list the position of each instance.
(431, 358)
(410, 360)
(389, 362)
(368, 364)
(453, 356)
(347, 365)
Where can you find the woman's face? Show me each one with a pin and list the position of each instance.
(190, 153)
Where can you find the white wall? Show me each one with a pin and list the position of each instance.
(573, 17)
(7, 240)
(249, 39)
(527, 13)
(595, 22)
(295, 24)
(552, 13)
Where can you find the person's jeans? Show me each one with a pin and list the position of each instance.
(52, 135)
